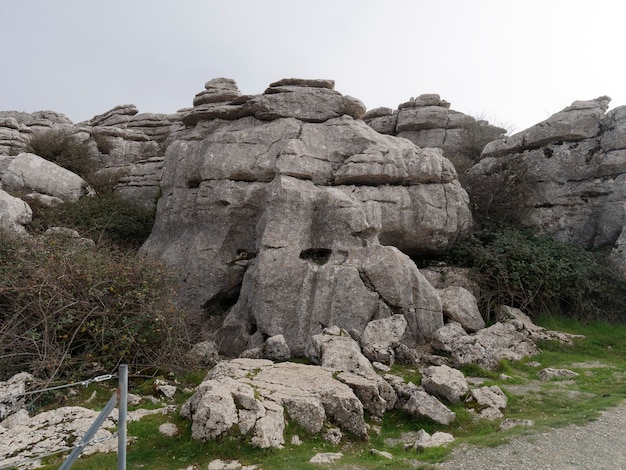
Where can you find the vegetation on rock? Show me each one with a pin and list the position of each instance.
(516, 267)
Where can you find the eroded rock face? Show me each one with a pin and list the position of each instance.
(566, 175)
(278, 207)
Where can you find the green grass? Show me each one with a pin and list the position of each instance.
(600, 360)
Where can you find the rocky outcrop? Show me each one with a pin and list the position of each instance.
(291, 214)
(510, 340)
(564, 176)
(255, 395)
(128, 144)
(428, 121)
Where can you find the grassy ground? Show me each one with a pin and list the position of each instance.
(600, 360)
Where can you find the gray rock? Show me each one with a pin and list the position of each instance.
(486, 347)
(460, 305)
(550, 373)
(510, 423)
(218, 90)
(336, 349)
(381, 336)
(382, 453)
(423, 405)
(438, 439)
(52, 431)
(326, 457)
(307, 196)
(252, 394)
(31, 172)
(564, 176)
(14, 213)
(276, 349)
(445, 382)
(11, 400)
(168, 429)
(487, 402)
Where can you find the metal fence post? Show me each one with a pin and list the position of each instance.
(90, 433)
(123, 410)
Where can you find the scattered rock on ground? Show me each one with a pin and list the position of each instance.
(445, 382)
(326, 457)
(437, 439)
(550, 373)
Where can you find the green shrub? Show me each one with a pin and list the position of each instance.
(516, 267)
(64, 307)
(64, 149)
(106, 218)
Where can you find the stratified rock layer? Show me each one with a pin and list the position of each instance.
(290, 213)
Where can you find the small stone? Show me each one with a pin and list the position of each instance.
(224, 465)
(381, 453)
(295, 440)
(549, 373)
(533, 364)
(510, 423)
(438, 439)
(326, 457)
(333, 435)
(133, 400)
(381, 367)
(167, 390)
(168, 429)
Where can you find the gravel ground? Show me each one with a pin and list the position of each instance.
(599, 445)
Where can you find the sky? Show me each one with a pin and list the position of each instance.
(512, 62)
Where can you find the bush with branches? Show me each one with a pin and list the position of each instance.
(516, 267)
(64, 307)
(62, 147)
(104, 218)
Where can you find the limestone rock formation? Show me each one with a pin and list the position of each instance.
(292, 215)
(254, 394)
(428, 121)
(488, 346)
(564, 176)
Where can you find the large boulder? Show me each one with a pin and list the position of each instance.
(255, 394)
(276, 210)
(30, 172)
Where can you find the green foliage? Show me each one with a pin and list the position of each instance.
(515, 267)
(63, 148)
(106, 217)
(64, 307)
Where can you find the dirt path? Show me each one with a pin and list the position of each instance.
(599, 445)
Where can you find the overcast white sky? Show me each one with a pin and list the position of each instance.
(515, 62)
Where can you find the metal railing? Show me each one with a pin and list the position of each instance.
(119, 397)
